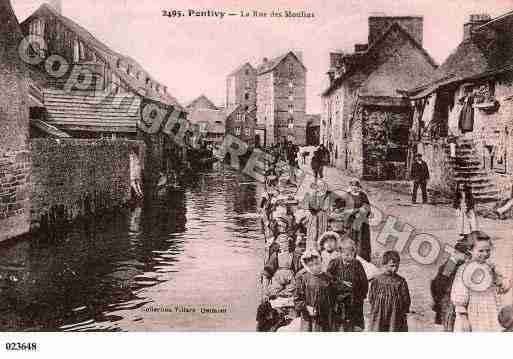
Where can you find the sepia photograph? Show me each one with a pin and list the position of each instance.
(267, 166)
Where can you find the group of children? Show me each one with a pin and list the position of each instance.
(326, 285)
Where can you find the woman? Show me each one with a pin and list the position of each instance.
(358, 202)
(319, 205)
(464, 205)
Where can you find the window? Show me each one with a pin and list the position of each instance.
(239, 117)
(291, 109)
(291, 84)
(290, 123)
(237, 131)
(247, 131)
(246, 96)
(291, 68)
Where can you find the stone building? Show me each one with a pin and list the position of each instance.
(15, 162)
(201, 102)
(241, 122)
(313, 129)
(95, 92)
(469, 102)
(241, 87)
(208, 125)
(281, 99)
(365, 121)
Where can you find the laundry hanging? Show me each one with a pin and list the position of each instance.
(466, 118)
(429, 112)
(454, 119)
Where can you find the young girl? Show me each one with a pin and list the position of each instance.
(351, 287)
(475, 289)
(314, 295)
(282, 283)
(328, 245)
(464, 205)
(389, 298)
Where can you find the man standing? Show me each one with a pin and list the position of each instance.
(420, 175)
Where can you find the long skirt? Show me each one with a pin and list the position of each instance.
(317, 225)
(361, 236)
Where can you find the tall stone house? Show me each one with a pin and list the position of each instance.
(469, 102)
(240, 122)
(281, 99)
(365, 120)
(241, 99)
(241, 87)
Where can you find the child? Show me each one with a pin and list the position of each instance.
(441, 286)
(282, 283)
(506, 318)
(389, 298)
(476, 303)
(299, 250)
(464, 205)
(328, 245)
(280, 245)
(351, 287)
(314, 296)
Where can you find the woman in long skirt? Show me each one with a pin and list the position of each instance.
(360, 230)
(319, 207)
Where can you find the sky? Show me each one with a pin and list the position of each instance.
(193, 55)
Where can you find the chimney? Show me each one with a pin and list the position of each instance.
(336, 59)
(360, 47)
(413, 25)
(475, 20)
(14, 127)
(56, 5)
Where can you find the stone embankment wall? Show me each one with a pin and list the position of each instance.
(71, 178)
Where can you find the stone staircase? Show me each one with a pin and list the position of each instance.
(468, 169)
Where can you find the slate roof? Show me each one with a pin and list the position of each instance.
(201, 102)
(215, 119)
(48, 129)
(87, 111)
(475, 57)
(111, 57)
(238, 69)
(273, 63)
(380, 79)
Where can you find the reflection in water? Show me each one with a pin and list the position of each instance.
(192, 248)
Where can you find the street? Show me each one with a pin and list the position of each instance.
(437, 220)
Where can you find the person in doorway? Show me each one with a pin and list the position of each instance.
(464, 205)
(420, 176)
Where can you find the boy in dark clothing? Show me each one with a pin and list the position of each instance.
(351, 287)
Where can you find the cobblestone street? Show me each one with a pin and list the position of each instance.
(437, 220)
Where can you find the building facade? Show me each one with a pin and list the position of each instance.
(281, 99)
(241, 86)
(241, 123)
(469, 102)
(365, 121)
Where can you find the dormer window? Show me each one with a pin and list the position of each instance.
(118, 64)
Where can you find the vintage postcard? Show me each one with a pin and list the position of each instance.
(266, 166)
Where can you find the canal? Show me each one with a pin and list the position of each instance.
(189, 261)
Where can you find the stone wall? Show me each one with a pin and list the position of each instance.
(74, 177)
(14, 129)
(436, 155)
